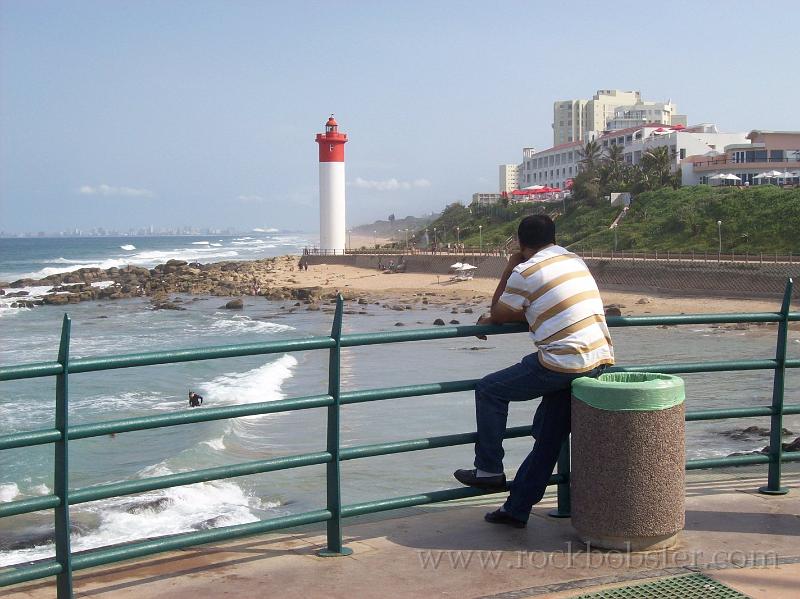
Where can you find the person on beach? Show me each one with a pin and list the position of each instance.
(195, 400)
(553, 291)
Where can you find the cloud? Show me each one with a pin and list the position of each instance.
(390, 184)
(250, 198)
(111, 190)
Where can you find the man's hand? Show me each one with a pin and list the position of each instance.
(515, 260)
(485, 318)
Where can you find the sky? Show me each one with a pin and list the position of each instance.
(127, 113)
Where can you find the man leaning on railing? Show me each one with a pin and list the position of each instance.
(553, 291)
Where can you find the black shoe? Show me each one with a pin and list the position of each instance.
(501, 517)
(489, 483)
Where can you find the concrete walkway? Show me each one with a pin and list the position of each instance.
(744, 540)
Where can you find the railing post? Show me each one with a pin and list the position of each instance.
(61, 468)
(778, 384)
(564, 509)
(333, 469)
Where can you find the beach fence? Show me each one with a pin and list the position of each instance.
(654, 273)
(63, 368)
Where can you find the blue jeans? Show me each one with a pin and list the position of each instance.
(551, 425)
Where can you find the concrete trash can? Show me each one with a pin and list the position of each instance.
(628, 460)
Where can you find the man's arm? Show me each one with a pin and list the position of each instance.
(500, 312)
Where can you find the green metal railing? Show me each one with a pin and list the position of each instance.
(63, 497)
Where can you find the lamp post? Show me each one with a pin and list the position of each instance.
(480, 237)
(375, 238)
(349, 240)
(719, 232)
(615, 238)
(427, 240)
(435, 241)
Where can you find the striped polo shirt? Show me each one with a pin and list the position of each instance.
(563, 307)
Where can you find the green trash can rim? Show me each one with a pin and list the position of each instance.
(630, 391)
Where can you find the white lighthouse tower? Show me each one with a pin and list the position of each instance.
(331, 188)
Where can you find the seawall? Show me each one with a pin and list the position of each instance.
(716, 279)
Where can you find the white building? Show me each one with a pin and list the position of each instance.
(554, 167)
(509, 177)
(551, 167)
(485, 199)
(681, 141)
(645, 112)
(574, 120)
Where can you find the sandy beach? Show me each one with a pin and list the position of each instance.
(405, 285)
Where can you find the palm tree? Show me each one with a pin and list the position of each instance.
(656, 167)
(590, 155)
(612, 171)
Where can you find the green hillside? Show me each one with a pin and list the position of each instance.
(755, 219)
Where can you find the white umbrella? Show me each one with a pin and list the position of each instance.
(456, 265)
(786, 175)
(718, 176)
(731, 177)
(533, 187)
(762, 176)
(774, 173)
(467, 266)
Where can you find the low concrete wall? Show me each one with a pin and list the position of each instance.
(700, 278)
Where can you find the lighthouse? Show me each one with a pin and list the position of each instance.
(331, 188)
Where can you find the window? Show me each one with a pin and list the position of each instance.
(776, 156)
(682, 153)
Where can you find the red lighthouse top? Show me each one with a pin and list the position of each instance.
(331, 143)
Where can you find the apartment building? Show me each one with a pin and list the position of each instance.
(609, 109)
(572, 119)
(645, 112)
(509, 177)
(552, 167)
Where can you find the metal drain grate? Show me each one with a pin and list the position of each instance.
(690, 586)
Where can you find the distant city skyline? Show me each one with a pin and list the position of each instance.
(124, 115)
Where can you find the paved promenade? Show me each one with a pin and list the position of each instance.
(734, 536)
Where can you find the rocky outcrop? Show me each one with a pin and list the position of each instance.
(175, 276)
(235, 304)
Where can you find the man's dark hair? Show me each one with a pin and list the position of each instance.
(536, 231)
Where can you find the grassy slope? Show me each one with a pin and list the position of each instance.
(756, 219)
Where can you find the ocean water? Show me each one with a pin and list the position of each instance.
(102, 328)
(39, 257)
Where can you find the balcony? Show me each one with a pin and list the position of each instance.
(715, 164)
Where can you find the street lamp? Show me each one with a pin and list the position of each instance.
(458, 234)
(375, 238)
(719, 232)
(615, 238)
(480, 236)
(349, 240)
